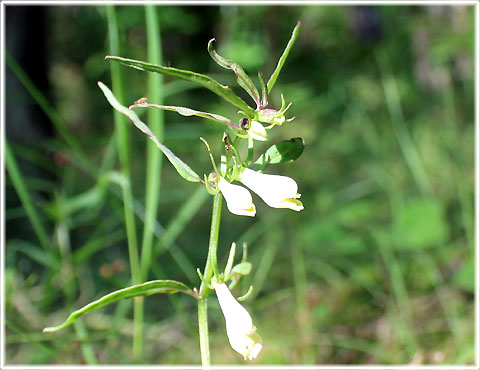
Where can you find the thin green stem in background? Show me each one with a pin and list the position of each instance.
(303, 313)
(404, 321)
(404, 138)
(123, 148)
(154, 158)
(31, 339)
(210, 267)
(68, 273)
(155, 122)
(27, 202)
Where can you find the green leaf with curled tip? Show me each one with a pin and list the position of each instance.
(223, 91)
(242, 78)
(284, 151)
(182, 168)
(184, 111)
(144, 289)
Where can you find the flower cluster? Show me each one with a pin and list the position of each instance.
(276, 191)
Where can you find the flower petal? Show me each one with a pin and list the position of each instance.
(240, 330)
(277, 191)
(257, 131)
(239, 199)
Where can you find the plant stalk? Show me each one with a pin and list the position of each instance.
(211, 264)
(154, 156)
(204, 291)
(123, 148)
(203, 332)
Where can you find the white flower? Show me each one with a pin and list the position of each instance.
(276, 191)
(240, 330)
(257, 131)
(239, 199)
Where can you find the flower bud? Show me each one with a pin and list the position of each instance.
(271, 116)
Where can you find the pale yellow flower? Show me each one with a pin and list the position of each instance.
(240, 330)
(277, 191)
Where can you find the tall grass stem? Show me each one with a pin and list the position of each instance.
(123, 148)
(155, 122)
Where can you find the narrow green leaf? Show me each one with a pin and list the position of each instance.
(144, 289)
(231, 257)
(284, 151)
(243, 268)
(34, 253)
(284, 56)
(184, 111)
(242, 78)
(182, 168)
(264, 90)
(223, 91)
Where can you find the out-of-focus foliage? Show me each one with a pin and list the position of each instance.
(377, 269)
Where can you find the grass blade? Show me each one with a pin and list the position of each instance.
(154, 157)
(21, 189)
(123, 149)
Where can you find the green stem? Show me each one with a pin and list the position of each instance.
(155, 122)
(210, 269)
(211, 265)
(203, 332)
(123, 147)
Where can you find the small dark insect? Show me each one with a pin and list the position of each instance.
(244, 123)
(227, 144)
(141, 101)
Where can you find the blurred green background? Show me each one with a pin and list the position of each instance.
(378, 268)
